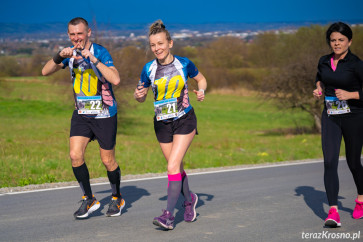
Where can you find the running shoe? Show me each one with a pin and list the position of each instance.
(333, 219)
(88, 206)
(166, 220)
(115, 207)
(358, 210)
(189, 213)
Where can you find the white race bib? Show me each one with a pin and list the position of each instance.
(335, 106)
(166, 109)
(89, 105)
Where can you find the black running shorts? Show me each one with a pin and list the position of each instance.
(102, 129)
(185, 125)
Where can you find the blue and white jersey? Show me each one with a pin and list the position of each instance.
(88, 81)
(170, 81)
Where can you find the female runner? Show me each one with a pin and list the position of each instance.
(340, 77)
(175, 122)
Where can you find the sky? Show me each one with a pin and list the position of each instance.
(182, 11)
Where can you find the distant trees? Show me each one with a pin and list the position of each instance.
(357, 47)
(22, 65)
(9, 66)
(281, 66)
(292, 63)
(224, 62)
(129, 62)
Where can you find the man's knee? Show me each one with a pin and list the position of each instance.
(76, 158)
(110, 163)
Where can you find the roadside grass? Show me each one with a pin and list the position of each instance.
(233, 130)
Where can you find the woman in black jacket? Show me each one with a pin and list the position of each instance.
(340, 78)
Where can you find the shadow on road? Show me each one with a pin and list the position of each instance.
(179, 216)
(130, 193)
(315, 199)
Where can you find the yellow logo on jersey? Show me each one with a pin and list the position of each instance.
(89, 82)
(173, 89)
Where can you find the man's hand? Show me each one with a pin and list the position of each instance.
(67, 52)
(87, 54)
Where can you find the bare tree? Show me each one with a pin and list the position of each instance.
(129, 62)
(292, 64)
(224, 63)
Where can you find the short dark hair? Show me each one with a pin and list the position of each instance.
(78, 20)
(340, 27)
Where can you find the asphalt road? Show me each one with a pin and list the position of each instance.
(270, 203)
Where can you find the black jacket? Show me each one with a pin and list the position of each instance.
(348, 76)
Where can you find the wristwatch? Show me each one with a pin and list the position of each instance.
(96, 63)
(201, 90)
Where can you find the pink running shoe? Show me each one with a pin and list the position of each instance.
(333, 219)
(358, 210)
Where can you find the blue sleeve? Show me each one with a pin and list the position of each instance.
(192, 69)
(102, 55)
(65, 63)
(106, 58)
(144, 77)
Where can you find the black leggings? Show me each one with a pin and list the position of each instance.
(333, 128)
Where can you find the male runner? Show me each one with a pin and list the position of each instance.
(95, 114)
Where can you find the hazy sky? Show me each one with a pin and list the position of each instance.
(182, 11)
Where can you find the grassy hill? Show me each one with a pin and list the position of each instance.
(234, 129)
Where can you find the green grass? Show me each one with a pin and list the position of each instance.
(233, 130)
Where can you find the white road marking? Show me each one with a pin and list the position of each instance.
(165, 176)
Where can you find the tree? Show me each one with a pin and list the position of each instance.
(357, 41)
(224, 63)
(129, 62)
(9, 66)
(293, 69)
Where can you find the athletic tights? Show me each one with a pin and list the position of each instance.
(333, 128)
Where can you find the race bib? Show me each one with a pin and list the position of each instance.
(89, 105)
(166, 109)
(335, 106)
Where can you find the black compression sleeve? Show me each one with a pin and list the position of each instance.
(57, 58)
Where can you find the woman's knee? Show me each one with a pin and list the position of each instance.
(330, 165)
(356, 168)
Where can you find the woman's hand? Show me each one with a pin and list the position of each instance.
(140, 93)
(344, 95)
(202, 86)
(200, 95)
(318, 92)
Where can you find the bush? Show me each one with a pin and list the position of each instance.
(9, 66)
(292, 60)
